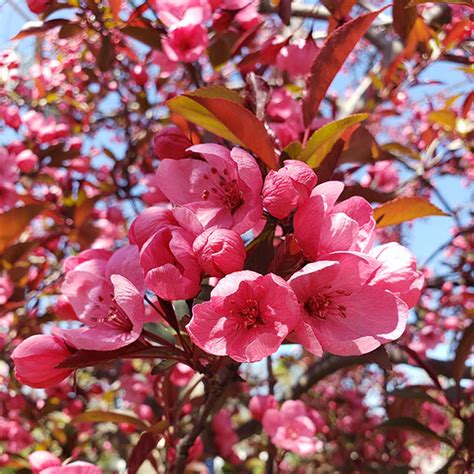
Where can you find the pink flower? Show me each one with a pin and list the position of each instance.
(220, 252)
(171, 143)
(166, 239)
(170, 10)
(398, 272)
(322, 226)
(187, 39)
(291, 428)
(288, 188)
(297, 58)
(247, 317)
(40, 460)
(36, 359)
(181, 374)
(26, 160)
(8, 179)
(224, 435)
(223, 188)
(341, 312)
(106, 293)
(77, 467)
(382, 175)
(6, 288)
(259, 404)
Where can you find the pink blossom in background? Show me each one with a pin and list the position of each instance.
(40, 460)
(288, 188)
(322, 226)
(247, 317)
(36, 359)
(382, 175)
(38, 6)
(6, 288)
(76, 467)
(26, 161)
(8, 179)
(171, 143)
(220, 252)
(181, 374)
(341, 312)
(224, 435)
(186, 40)
(223, 188)
(296, 58)
(259, 404)
(291, 428)
(176, 10)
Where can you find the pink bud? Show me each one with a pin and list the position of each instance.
(36, 359)
(259, 404)
(139, 75)
(26, 160)
(6, 289)
(288, 188)
(11, 115)
(40, 460)
(171, 143)
(220, 252)
(38, 6)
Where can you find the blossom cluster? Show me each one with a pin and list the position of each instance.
(343, 296)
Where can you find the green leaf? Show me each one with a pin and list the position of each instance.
(462, 352)
(405, 209)
(323, 139)
(99, 416)
(414, 426)
(293, 150)
(14, 222)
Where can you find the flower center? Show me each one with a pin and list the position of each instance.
(249, 314)
(223, 189)
(322, 305)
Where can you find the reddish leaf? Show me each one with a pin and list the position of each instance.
(147, 36)
(467, 105)
(141, 451)
(330, 59)
(403, 18)
(462, 353)
(37, 27)
(115, 8)
(284, 11)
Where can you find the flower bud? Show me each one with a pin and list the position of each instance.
(288, 188)
(171, 143)
(26, 160)
(38, 6)
(36, 359)
(259, 404)
(220, 252)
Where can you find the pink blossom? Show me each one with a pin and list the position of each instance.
(223, 188)
(341, 312)
(40, 460)
(296, 59)
(259, 404)
(166, 239)
(322, 226)
(220, 252)
(8, 179)
(6, 288)
(171, 143)
(224, 435)
(170, 10)
(187, 39)
(11, 116)
(77, 467)
(26, 161)
(291, 428)
(288, 188)
(106, 293)
(36, 359)
(382, 175)
(181, 374)
(398, 272)
(247, 317)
